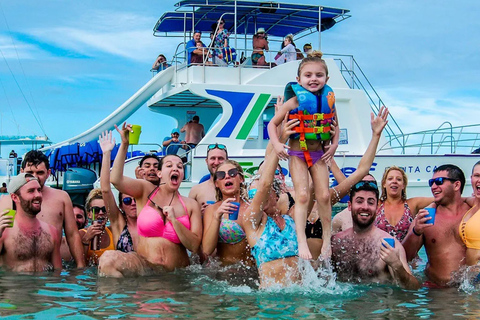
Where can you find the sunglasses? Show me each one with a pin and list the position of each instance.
(361, 184)
(216, 146)
(221, 22)
(220, 175)
(439, 181)
(98, 209)
(128, 200)
(251, 193)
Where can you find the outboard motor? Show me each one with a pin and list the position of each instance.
(78, 182)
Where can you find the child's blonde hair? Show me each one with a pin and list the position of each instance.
(314, 56)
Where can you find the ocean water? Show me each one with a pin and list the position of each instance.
(220, 293)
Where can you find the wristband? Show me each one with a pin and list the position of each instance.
(416, 233)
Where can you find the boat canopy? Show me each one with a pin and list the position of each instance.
(278, 19)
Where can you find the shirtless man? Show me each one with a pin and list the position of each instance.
(30, 245)
(205, 191)
(57, 209)
(81, 220)
(361, 253)
(343, 219)
(194, 132)
(442, 241)
(147, 169)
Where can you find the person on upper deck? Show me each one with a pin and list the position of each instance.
(193, 47)
(172, 144)
(194, 131)
(288, 52)
(260, 43)
(220, 41)
(160, 63)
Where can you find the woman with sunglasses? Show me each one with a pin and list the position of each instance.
(96, 238)
(123, 218)
(168, 224)
(221, 233)
(395, 212)
(220, 41)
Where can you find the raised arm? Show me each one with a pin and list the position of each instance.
(377, 123)
(133, 187)
(71, 231)
(117, 223)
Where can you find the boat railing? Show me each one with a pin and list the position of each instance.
(446, 139)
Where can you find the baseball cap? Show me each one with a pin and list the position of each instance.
(175, 131)
(19, 181)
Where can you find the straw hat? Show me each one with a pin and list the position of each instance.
(260, 30)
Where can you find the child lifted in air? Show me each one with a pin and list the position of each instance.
(312, 147)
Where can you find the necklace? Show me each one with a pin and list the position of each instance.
(158, 207)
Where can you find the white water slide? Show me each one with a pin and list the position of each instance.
(124, 111)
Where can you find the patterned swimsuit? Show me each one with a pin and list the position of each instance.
(398, 231)
(125, 243)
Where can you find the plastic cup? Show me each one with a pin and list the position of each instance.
(12, 214)
(431, 213)
(210, 202)
(134, 135)
(390, 241)
(233, 215)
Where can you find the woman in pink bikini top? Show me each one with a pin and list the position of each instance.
(168, 224)
(395, 212)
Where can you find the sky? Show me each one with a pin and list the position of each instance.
(66, 65)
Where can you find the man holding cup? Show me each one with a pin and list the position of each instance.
(27, 244)
(365, 253)
(442, 241)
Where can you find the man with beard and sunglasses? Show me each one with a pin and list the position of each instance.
(443, 244)
(27, 244)
(361, 253)
(205, 191)
(57, 208)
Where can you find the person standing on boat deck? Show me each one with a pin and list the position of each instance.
(307, 152)
(192, 47)
(288, 52)
(12, 154)
(123, 218)
(220, 41)
(259, 43)
(160, 63)
(360, 253)
(173, 143)
(396, 212)
(307, 48)
(30, 245)
(205, 191)
(57, 208)
(194, 132)
(148, 169)
(442, 240)
(168, 224)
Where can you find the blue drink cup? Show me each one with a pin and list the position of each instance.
(210, 202)
(431, 213)
(233, 215)
(390, 241)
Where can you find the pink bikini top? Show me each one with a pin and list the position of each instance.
(150, 222)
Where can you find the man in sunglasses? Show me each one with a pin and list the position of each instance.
(28, 244)
(443, 245)
(360, 253)
(57, 208)
(205, 191)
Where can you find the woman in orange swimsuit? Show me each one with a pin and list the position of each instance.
(470, 225)
(97, 238)
(168, 224)
(395, 212)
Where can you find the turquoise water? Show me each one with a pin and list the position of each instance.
(214, 293)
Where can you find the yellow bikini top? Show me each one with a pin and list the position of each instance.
(470, 230)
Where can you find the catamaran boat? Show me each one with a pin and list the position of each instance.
(236, 102)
